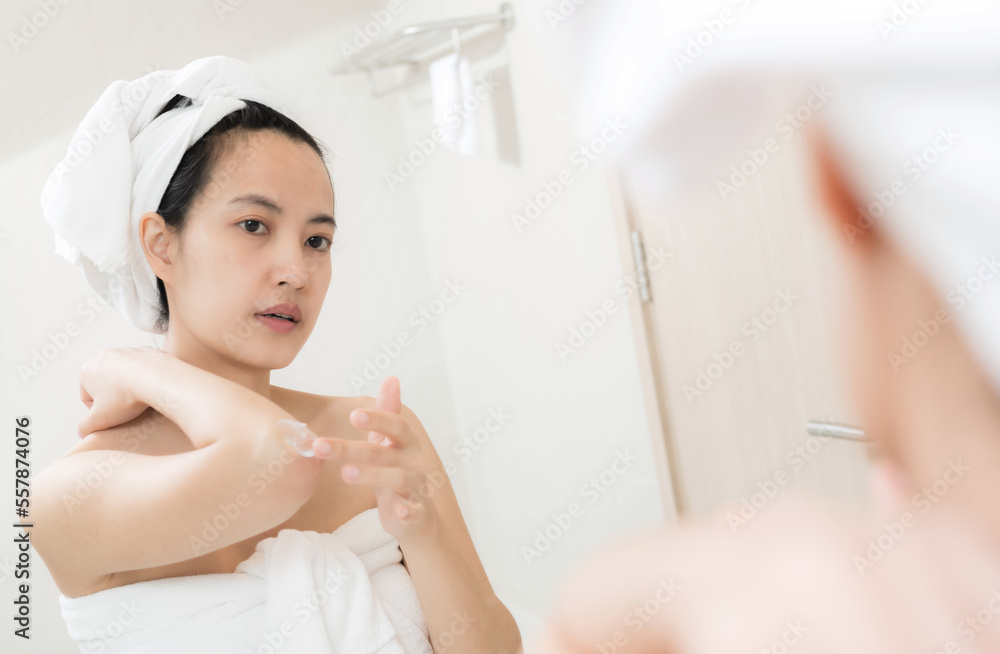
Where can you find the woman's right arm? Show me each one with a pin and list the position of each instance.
(104, 511)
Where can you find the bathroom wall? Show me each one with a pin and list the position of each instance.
(529, 284)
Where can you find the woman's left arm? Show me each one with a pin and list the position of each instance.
(462, 611)
(417, 505)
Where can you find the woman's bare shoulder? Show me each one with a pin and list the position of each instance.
(325, 411)
(791, 560)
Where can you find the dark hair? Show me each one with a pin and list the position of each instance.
(195, 168)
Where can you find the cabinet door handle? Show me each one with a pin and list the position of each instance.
(834, 430)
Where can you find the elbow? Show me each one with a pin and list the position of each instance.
(286, 478)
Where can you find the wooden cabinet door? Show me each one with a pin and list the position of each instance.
(738, 339)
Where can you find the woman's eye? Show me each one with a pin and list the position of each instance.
(251, 227)
(323, 248)
(255, 222)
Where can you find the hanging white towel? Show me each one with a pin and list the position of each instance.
(454, 103)
(300, 591)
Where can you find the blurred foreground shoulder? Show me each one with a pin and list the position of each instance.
(701, 586)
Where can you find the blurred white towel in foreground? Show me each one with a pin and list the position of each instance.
(910, 109)
(300, 591)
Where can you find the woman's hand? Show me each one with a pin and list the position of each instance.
(106, 387)
(391, 461)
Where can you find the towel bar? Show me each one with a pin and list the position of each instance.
(402, 47)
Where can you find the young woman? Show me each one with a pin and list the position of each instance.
(240, 246)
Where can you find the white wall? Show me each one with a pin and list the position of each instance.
(492, 349)
(526, 291)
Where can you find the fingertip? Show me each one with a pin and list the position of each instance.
(388, 396)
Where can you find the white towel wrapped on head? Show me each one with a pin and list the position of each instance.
(118, 165)
(300, 591)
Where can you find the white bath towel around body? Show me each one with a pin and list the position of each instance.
(300, 591)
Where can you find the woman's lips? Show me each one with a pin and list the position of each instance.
(277, 324)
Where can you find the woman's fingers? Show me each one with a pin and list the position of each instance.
(388, 424)
(85, 396)
(356, 452)
(85, 426)
(388, 395)
(387, 401)
(395, 479)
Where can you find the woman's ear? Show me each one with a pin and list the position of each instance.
(155, 239)
(842, 207)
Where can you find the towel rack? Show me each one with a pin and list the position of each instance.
(424, 39)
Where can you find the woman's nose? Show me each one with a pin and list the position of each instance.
(292, 269)
(293, 277)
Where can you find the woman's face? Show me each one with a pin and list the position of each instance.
(258, 235)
